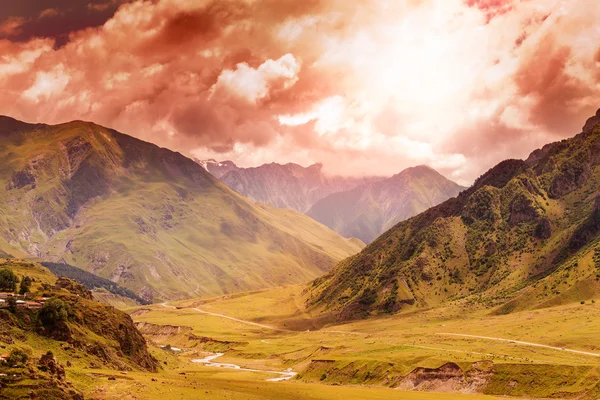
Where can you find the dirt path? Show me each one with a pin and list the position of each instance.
(243, 321)
(585, 353)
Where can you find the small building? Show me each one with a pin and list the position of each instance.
(34, 305)
(6, 295)
(3, 303)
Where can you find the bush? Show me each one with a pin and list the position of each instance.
(25, 285)
(8, 280)
(582, 301)
(16, 357)
(12, 304)
(53, 312)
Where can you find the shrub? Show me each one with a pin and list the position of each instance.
(8, 280)
(582, 301)
(16, 357)
(25, 285)
(12, 304)
(53, 312)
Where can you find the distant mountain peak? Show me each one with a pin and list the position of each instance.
(369, 210)
(283, 185)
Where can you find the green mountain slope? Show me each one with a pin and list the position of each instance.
(70, 332)
(144, 217)
(369, 210)
(525, 235)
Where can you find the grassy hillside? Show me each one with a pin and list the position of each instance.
(368, 210)
(49, 346)
(91, 281)
(145, 217)
(525, 235)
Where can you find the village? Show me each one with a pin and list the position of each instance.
(26, 300)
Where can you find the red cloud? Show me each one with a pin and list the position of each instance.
(349, 85)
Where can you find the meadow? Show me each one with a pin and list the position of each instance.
(271, 330)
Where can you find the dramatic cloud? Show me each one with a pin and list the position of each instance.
(363, 87)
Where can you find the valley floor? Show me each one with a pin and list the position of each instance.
(550, 352)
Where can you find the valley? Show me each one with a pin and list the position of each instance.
(300, 200)
(268, 345)
(526, 354)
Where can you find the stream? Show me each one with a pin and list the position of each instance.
(208, 362)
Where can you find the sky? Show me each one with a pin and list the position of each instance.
(367, 87)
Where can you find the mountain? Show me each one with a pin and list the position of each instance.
(282, 186)
(525, 235)
(218, 169)
(145, 217)
(368, 210)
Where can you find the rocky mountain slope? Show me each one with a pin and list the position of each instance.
(283, 186)
(525, 235)
(48, 346)
(368, 210)
(145, 217)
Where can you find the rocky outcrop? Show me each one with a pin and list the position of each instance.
(48, 363)
(522, 210)
(449, 378)
(73, 287)
(21, 179)
(543, 229)
(592, 122)
(149, 329)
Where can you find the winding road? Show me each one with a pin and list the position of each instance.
(243, 321)
(519, 342)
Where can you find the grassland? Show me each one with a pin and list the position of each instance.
(365, 359)
(380, 352)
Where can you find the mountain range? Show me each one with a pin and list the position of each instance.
(360, 207)
(368, 210)
(525, 235)
(283, 185)
(145, 217)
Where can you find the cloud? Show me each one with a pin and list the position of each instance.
(48, 13)
(11, 26)
(257, 84)
(368, 87)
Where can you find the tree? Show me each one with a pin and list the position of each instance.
(25, 285)
(12, 304)
(53, 312)
(8, 280)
